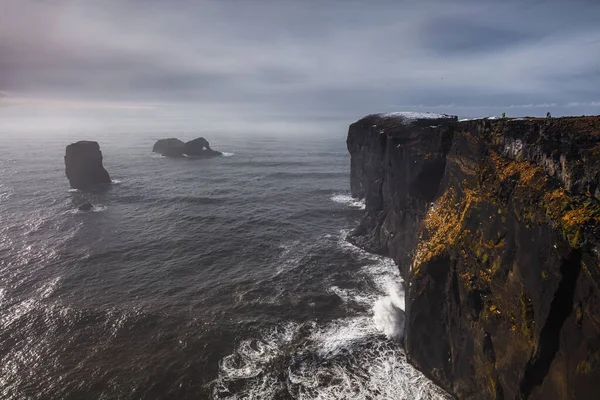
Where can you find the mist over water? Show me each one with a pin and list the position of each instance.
(219, 278)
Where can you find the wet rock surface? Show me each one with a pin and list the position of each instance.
(495, 225)
(86, 207)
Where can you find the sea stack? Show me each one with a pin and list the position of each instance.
(83, 165)
(169, 147)
(200, 148)
(172, 147)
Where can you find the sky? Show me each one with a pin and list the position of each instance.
(282, 66)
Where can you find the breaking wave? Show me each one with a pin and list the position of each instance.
(349, 201)
(357, 357)
(388, 313)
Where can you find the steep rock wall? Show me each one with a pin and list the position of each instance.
(495, 225)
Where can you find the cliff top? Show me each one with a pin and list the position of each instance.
(405, 120)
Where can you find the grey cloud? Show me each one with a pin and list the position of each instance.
(289, 60)
(458, 36)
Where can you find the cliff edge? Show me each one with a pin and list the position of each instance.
(495, 225)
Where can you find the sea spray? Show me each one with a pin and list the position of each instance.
(388, 312)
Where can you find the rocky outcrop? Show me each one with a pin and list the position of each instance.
(176, 148)
(87, 206)
(169, 147)
(200, 148)
(83, 165)
(495, 225)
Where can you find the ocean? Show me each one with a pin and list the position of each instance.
(222, 278)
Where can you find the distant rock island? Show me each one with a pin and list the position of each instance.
(83, 165)
(176, 148)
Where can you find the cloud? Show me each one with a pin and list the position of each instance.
(300, 61)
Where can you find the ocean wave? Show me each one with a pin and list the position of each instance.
(271, 164)
(195, 199)
(358, 357)
(21, 308)
(351, 295)
(96, 208)
(344, 359)
(388, 312)
(290, 257)
(348, 200)
(225, 154)
(305, 175)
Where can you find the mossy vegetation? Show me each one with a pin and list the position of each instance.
(571, 214)
(536, 198)
(496, 220)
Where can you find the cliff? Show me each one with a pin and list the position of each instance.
(83, 165)
(495, 225)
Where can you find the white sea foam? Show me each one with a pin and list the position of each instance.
(349, 201)
(351, 295)
(225, 154)
(345, 359)
(341, 335)
(388, 312)
(357, 357)
(97, 208)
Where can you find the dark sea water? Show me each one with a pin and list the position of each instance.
(223, 278)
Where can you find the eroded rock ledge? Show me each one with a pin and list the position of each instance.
(495, 225)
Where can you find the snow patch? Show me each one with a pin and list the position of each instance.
(408, 117)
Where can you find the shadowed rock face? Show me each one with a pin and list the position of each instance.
(495, 225)
(87, 206)
(169, 147)
(83, 165)
(176, 148)
(200, 148)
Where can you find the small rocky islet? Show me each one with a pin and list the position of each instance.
(172, 147)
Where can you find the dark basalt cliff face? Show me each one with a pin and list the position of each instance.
(495, 225)
(83, 165)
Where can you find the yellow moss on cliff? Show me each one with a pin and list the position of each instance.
(536, 198)
(443, 225)
(570, 214)
(543, 202)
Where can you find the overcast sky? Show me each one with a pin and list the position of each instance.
(290, 66)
